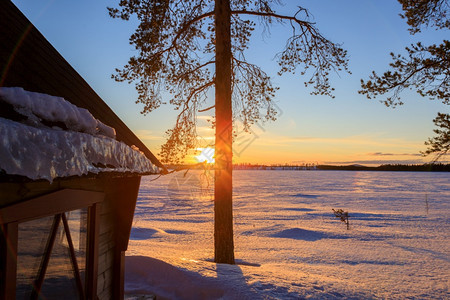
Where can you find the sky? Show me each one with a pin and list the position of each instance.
(349, 129)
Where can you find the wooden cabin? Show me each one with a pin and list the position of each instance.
(62, 237)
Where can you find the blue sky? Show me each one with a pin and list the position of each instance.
(347, 129)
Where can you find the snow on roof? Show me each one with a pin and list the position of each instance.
(35, 150)
(37, 107)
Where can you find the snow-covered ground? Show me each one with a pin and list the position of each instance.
(288, 242)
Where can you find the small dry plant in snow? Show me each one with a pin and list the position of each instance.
(343, 215)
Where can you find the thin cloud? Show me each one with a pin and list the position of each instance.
(376, 162)
(393, 154)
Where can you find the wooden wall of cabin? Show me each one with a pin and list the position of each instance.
(116, 217)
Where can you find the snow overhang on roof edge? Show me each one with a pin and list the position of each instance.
(49, 137)
(41, 153)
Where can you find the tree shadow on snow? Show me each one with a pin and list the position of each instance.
(308, 196)
(239, 286)
(299, 209)
(146, 275)
(138, 234)
(301, 234)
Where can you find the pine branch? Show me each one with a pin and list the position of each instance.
(273, 15)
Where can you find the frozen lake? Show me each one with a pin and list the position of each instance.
(288, 243)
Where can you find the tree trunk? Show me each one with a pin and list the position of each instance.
(223, 188)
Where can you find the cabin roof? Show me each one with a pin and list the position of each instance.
(29, 61)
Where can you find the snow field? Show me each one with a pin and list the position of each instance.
(288, 243)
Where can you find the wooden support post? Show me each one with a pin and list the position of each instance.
(92, 251)
(124, 204)
(8, 260)
(119, 274)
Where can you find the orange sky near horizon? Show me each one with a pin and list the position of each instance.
(349, 129)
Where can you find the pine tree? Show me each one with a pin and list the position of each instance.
(440, 144)
(188, 47)
(425, 69)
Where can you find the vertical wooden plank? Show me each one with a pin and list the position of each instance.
(118, 275)
(8, 260)
(92, 251)
(124, 202)
(126, 191)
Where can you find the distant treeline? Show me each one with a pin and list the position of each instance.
(246, 166)
(393, 167)
(437, 167)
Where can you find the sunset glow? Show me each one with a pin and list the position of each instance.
(347, 129)
(206, 155)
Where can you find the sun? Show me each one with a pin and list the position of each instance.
(206, 154)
